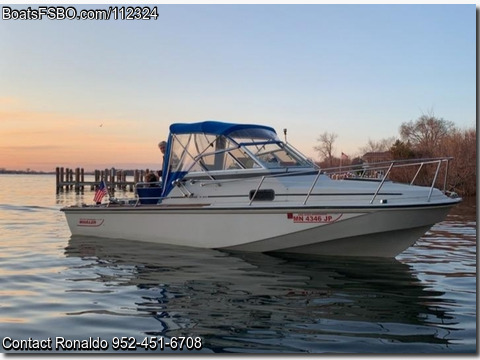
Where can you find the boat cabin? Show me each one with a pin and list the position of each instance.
(213, 148)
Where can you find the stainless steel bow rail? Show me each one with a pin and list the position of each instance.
(378, 172)
(381, 171)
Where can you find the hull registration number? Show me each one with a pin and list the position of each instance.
(314, 218)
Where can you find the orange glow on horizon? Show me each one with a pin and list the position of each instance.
(44, 140)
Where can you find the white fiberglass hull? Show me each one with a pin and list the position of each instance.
(383, 232)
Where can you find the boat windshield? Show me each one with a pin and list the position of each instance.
(243, 149)
(215, 146)
(276, 154)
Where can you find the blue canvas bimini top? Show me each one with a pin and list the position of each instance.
(214, 128)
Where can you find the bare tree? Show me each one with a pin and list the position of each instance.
(378, 146)
(426, 133)
(325, 146)
(462, 146)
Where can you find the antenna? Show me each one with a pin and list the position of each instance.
(285, 134)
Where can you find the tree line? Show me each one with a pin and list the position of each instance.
(426, 137)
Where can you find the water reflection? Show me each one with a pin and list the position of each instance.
(248, 302)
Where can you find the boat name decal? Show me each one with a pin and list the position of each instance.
(314, 218)
(90, 222)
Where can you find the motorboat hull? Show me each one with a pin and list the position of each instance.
(239, 187)
(368, 231)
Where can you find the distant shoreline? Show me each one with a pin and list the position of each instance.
(23, 172)
(128, 172)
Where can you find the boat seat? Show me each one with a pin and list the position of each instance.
(149, 195)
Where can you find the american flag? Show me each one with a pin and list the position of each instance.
(344, 156)
(100, 193)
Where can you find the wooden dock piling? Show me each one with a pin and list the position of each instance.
(67, 179)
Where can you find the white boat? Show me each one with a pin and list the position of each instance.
(239, 187)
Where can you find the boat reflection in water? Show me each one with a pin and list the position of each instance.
(255, 302)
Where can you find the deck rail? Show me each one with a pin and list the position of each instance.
(376, 172)
(379, 172)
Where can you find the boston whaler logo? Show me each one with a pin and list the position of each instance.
(314, 218)
(90, 222)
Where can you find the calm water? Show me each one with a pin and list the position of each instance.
(52, 285)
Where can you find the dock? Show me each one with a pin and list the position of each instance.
(67, 179)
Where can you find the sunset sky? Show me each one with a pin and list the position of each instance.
(98, 94)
